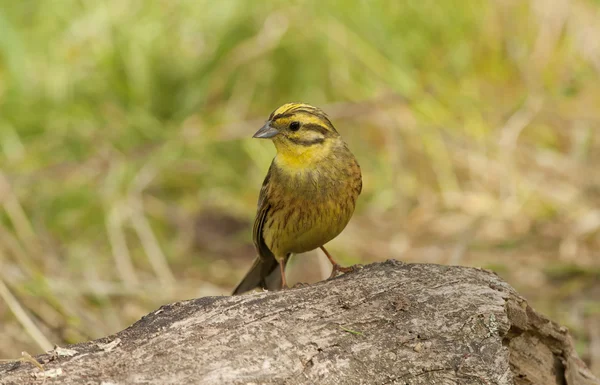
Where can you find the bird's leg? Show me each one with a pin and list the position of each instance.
(282, 268)
(336, 267)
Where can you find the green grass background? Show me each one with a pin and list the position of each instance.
(128, 178)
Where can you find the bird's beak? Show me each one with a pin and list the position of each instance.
(266, 132)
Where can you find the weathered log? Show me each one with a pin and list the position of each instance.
(388, 323)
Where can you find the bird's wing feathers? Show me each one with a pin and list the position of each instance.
(257, 233)
(261, 217)
(264, 273)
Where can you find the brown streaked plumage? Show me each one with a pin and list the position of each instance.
(308, 195)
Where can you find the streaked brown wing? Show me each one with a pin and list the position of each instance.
(261, 218)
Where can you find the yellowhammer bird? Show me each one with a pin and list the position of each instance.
(308, 196)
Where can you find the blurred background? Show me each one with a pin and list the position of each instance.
(129, 179)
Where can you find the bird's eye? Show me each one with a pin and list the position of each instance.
(294, 126)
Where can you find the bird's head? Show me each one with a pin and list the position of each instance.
(301, 133)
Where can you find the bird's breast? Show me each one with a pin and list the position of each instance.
(310, 207)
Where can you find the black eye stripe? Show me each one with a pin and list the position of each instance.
(306, 142)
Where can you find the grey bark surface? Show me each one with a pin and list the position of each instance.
(388, 323)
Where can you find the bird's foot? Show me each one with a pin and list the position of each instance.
(340, 269)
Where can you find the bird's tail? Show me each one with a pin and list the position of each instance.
(264, 273)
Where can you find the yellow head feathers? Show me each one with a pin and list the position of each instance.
(298, 122)
(301, 112)
(302, 134)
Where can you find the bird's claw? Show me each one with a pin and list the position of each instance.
(340, 269)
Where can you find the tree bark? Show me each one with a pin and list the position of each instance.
(388, 323)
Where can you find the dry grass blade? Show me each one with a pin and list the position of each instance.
(118, 244)
(17, 215)
(21, 315)
(157, 258)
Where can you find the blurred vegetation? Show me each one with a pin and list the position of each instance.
(128, 178)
